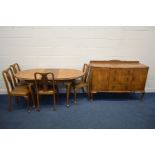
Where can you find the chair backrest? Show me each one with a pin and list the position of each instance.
(8, 79)
(86, 72)
(44, 81)
(15, 69)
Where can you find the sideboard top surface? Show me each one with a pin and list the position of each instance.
(117, 64)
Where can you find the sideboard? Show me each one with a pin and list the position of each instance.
(117, 76)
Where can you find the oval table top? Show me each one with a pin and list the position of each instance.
(59, 74)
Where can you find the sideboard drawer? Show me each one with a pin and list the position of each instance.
(119, 87)
(120, 75)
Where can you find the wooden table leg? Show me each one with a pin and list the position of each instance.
(68, 85)
(32, 95)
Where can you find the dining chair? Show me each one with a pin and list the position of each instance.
(14, 90)
(82, 83)
(45, 85)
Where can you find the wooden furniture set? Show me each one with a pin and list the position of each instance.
(66, 76)
(97, 76)
(18, 78)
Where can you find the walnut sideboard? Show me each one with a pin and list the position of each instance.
(117, 76)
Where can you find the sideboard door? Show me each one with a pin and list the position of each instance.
(99, 79)
(139, 79)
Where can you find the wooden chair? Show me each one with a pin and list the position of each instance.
(16, 90)
(82, 83)
(45, 85)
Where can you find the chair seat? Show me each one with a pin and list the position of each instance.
(22, 82)
(43, 92)
(20, 91)
(79, 84)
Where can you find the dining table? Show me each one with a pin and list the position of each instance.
(65, 76)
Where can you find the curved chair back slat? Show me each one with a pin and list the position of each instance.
(8, 79)
(15, 69)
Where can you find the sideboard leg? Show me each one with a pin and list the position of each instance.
(88, 95)
(91, 96)
(142, 96)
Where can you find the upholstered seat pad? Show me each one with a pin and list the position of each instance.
(22, 82)
(46, 92)
(20, 90)
(80, 84)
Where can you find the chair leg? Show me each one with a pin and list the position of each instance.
(75, 95)
(9, 103)
(57, 92)
(27, 99)
(83, 90)
(32, 96)
(88, 92)
(57, 88)
(17, 99)
(54, 105)
(38, 104)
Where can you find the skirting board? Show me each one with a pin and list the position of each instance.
(148, 90)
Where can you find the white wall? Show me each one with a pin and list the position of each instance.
(70, 47)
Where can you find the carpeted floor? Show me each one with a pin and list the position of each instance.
(106, 111)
